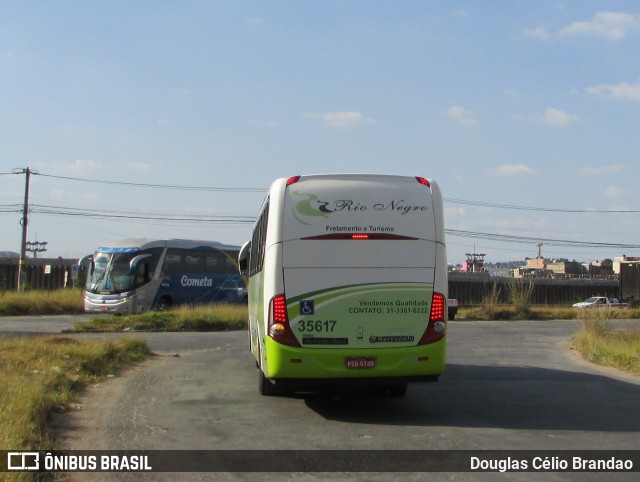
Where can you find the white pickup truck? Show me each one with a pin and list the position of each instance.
(601, 302)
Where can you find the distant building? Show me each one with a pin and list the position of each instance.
(617, 260)
(599, 268)
(537, 263)
(474, 263)
(628, 269)
(565, 267)
(534, 268)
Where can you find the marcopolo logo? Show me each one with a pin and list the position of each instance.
(312, 207)
(391, 339)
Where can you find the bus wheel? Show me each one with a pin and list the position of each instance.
(398, 390)
(265, 387)
(164, 304)
(391, 389)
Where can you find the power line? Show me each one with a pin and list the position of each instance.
(160, 186)
(532, 208)
(10, 208)
(163, 218)
(528, 240)
(72, 210)
(249, 220)
(466, 202)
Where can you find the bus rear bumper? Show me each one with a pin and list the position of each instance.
(330, 365)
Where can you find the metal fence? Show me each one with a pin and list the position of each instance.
(468, 288)
(38, 274)
(471, 288)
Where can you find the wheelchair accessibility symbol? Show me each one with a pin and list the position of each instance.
(307, 307)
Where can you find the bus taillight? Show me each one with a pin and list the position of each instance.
(423, 181)
(438, 307)
(437, 325)
(292, 180)
(279, 305)
(279, 328)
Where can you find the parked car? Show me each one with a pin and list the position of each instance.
(600, 302)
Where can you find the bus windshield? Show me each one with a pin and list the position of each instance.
(116, 272)
(110, 273)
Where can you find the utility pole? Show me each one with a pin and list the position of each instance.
(25, 219)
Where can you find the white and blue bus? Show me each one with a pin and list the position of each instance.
(347, 281)
(137, 275)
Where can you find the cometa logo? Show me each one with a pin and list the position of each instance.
(196, 282)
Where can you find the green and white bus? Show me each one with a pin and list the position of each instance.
(347, 282)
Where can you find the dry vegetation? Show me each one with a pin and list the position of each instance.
(41, 375)
(599, 343)
(59, 302)
(185, 318)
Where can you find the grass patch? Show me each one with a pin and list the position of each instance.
(184, 318)
(534, 312)
(598, 343)
(43, 375)
(520, 292)
(40, 302)
(489, 307)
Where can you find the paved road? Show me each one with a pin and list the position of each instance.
(508, 385)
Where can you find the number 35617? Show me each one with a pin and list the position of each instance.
(316, 326)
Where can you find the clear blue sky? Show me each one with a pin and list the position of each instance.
(533, 104)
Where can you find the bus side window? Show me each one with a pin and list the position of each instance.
(259, 241)
(173, 262)
(214, 262)
(142, 274)
(194, 262)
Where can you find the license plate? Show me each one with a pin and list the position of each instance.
(360, 362)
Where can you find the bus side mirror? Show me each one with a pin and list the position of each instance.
(86, 262)
(134, 262)
(243, 258)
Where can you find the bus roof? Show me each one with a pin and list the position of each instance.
(129, 245)
(336, 205)
(351, 177)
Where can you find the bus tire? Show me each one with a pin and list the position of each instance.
(265, 387)
(398, 390)
(391, 389)
(164, 304)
